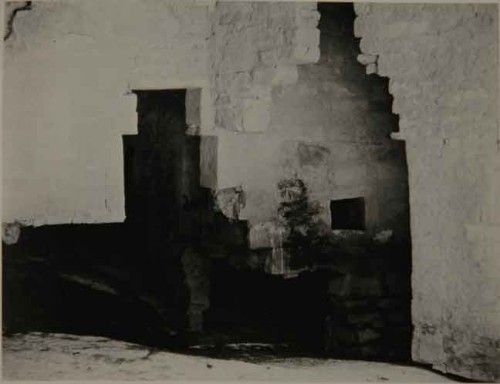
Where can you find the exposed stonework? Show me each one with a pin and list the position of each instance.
(11, 233)
(442, 64)
(331, 129)
(82, 61)
(369, 313)
(262, 116)
(230, 201)
(256, 45)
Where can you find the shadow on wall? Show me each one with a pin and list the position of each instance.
(135, 280)
(179, 271)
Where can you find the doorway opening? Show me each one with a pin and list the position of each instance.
(354, 302)
(161, 168)
(163, 198)
(196, 259)
(195, 279)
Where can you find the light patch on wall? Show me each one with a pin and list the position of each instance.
(312, 154)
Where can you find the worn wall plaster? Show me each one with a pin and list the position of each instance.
(330, 127)
(69, 68)
(74, 63)
(442, 63)
(70, 65)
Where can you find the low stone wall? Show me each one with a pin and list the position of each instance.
(369, 305)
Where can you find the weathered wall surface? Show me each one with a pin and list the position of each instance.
(73, 63)
(255, 46)
(67, 71)
(331, 129)
(442, 63)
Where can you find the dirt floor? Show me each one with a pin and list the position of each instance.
(37, 356)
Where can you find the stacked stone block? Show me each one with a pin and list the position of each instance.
(369, 314)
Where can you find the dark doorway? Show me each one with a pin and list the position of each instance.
(162, 195)
(354, 302)
(162, 168)
(122, 280)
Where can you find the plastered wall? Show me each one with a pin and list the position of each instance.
(330, 127)
(70, 66)
(68, 69)
(442, 65)
(255, 45)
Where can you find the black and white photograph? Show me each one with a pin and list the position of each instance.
(250, 191)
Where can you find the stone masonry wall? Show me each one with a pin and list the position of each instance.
(69, 67)
(329, 128)
(74, 63)
(368, 312)
(256, 45)
(442, 65)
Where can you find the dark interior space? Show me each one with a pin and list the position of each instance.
(131, 281)
(162, 194)
(162, 191)
(127, 281)
(348, 213)
(253, 306)
(77, 279)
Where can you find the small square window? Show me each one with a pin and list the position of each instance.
(348, 213)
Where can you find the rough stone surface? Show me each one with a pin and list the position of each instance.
(74, 63)
(256, 45)
(442, 65)
(11, 233)
(331, 129)
(369, 318)
(230, 201)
